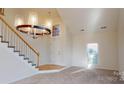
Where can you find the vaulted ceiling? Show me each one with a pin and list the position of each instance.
(89, 19)
(39, 11)
(77, 19)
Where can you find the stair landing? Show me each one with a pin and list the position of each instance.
(50, 67)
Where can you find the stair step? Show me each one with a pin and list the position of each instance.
(1, 36)
(21, 55)
(16, 51)
(26, 58)
(29, 61)
(11, 46)
(33, 64)
(5, 41)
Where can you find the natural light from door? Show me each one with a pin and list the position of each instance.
(92, 55)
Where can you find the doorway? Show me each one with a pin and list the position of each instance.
(92, 54)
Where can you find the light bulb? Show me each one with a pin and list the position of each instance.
(33, 19)
(49, 24)
(18, 21)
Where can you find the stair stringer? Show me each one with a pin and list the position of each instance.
(12, 66)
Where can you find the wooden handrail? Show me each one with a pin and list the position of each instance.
(20, 36)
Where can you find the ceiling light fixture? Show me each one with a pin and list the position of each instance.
(32, 28)
(82, 30)
(103, 27)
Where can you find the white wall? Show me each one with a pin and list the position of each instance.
(121, 40)
(91, 19)
(12, 66)
(68, 48)
(107, 41)
(61, 46)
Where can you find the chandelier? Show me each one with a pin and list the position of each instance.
(31, 28)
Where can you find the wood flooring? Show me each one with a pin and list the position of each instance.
(50, 67)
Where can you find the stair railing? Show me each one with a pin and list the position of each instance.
(15, 40)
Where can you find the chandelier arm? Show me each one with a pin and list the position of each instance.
(43, 28)
(33, 27)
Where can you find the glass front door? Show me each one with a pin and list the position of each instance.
(92, 53)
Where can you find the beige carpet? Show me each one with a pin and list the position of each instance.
(74, 75)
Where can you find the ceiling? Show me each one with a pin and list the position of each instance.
(39, 11)
(75, 19)
(45, 15)
(89, 19)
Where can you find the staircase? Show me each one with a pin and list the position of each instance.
(14, 40)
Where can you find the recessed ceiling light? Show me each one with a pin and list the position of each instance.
(103, 27)
(82, 30)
